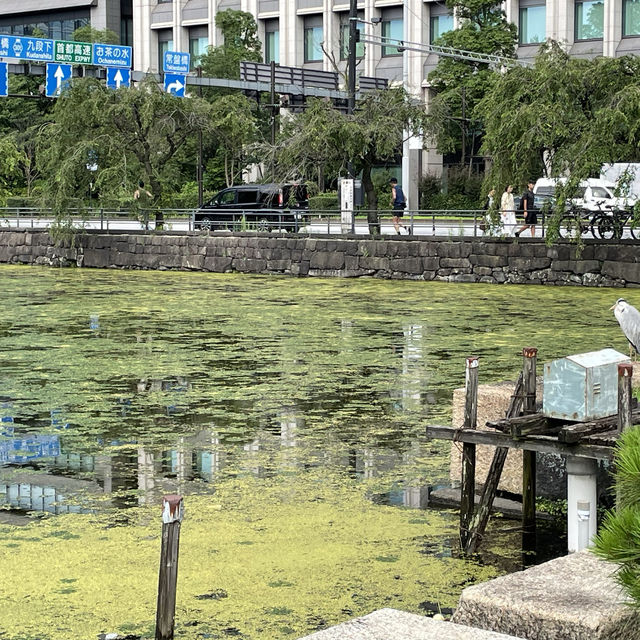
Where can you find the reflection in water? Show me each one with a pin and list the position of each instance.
(169, 382)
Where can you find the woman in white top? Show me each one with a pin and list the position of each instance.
(508, 211)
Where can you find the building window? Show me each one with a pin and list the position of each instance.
(165, 43)
(631, 18)
(589, 20)
(439, 25)
(533, 24)
(391, 28)
(344, 36)
(271, 41)
(313, 38)
(198, 43)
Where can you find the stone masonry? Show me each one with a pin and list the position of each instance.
(493, 261)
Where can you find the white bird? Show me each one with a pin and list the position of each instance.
(628, 318)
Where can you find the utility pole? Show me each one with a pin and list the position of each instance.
(351, 64)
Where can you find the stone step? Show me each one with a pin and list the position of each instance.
(391, 624)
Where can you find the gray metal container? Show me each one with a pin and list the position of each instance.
(582, 387)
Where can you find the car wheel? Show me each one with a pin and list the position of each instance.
(205, 223)
(264, 225)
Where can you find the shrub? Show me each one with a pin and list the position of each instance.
(324, 201)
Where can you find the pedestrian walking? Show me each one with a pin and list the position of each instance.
(398, 204)
(508, 211)
(485, 225)
(529, 211)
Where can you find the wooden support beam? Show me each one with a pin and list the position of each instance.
(468, 483)
(481, 518)
(539, 443)
(529, 361)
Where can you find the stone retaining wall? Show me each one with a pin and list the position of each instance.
(460, 260)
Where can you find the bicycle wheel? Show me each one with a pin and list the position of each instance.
(607, 228)
(634, 231)
(571, 227)
(593, 225)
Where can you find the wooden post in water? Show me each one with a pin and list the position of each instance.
(468, 485)
(172, 512)
(529, 457)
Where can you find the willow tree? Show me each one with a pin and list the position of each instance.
(113, 139)
(322, 136)
(460, 84)
(563, 116)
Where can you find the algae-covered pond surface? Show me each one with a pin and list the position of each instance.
(288, 412)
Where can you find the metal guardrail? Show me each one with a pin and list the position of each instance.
(451, 223)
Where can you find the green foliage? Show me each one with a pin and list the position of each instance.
(240, 42)
(324, 202)
(89, 34)
(564, 115)
(321, 141)
(10, 159)
(455, 190)
(619, 538)
(133, 133)
(483, 29)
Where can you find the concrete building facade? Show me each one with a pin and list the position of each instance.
(58, 19)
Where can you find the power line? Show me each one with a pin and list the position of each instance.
(447, 52)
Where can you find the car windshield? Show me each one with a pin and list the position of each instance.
(601, 192)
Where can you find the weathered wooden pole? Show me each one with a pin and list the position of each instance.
(468, 484)
(529, 361)
(625, 373)
(481, 517)
(172, 512)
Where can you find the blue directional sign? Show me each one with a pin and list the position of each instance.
(117, 77)
(176, 62)
(21, 48)
(4, 79)
(58, 77)
(175, 83)
(112, 55)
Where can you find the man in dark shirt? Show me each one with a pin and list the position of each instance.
(529, 210)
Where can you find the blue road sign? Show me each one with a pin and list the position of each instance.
(21, 48)
(117, 77)
(112, 55)
(58, 77)
(4, 79)
(176, 62)
(175, 83)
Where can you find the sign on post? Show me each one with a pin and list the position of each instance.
(73, 52)
(175, 84)
(4, 79)
(112, 55)
(58, 77)
(39, 49)
(117, 77)
(176, 62)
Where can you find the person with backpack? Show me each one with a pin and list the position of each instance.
(398, 204)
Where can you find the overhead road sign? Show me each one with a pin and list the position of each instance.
(4, 79)
(176, 62)
(175, 83)
(112, 55)
(35, 49)
(73, 52)
(117, 77)
(261, 72)
(58, 78)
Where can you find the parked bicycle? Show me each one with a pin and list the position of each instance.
(611, 224)
(576, 223)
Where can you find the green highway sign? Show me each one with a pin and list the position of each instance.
(73, 52)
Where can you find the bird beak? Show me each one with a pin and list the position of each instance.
(613, 307)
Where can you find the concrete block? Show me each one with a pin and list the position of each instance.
(572, 597)
(391, 624)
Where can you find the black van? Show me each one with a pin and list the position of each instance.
(255, 207)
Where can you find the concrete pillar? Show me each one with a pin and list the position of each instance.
(612, 27)
(582, 502)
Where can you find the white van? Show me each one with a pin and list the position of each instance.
(593, 194)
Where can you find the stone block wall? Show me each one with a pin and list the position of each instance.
(493, 261)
